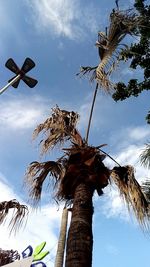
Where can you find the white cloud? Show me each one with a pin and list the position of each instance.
(22, 113)
(130, 136)
(64, 17)
(139, 133)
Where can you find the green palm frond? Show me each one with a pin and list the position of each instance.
(145, 156)
(60, 127)
(8, 256)
(37, 173)
(18, 215)
(131, 192)
(109, 47)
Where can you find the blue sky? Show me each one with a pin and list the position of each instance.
(59, 36)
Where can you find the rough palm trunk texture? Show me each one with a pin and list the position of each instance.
(62, 239)
(80, 237)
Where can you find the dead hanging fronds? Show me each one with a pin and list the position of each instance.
(8, 256)
(36, 175)
(61, 126)
(121, 24)
(19, 212)
(145, 156)
(131, 192)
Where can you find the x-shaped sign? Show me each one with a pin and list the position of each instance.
(26, 67)
(20, 74)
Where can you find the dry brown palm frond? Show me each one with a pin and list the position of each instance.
(121, 24)
(19, 212)
(131, 192)
(61, 126)
(37, 173)
(8, 256)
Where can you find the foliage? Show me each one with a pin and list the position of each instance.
(18, 215)
(82, 164)
(8, 256)
(139, 54)
(109, 47)
(58, 128)
(131, 192)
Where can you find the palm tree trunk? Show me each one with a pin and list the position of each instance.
(62, 239)
(80, 237)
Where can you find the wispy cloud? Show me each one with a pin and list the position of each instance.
(22, 113)
(64, 17)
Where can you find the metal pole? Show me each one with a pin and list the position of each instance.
(9, 84)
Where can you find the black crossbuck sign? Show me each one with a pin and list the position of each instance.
(20, 73)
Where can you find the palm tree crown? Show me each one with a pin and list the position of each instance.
(80, 163)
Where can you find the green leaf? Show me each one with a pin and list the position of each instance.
(39, 248)
(40, 256)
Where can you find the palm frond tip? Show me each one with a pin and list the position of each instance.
(36, 175)
(18, 214)
(145, 156)
(61, 126)
(121, 24)
(109, 47)
(131, 193)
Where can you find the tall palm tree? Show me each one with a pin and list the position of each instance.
(78, 174)
(81, 171)
(19, 212)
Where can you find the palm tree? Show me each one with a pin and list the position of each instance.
(77, 174)
(18, 215)
(8, 256)
(80, 171)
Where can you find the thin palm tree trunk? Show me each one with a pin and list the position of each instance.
(62, 239)
(80, 237)
(91, 113)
